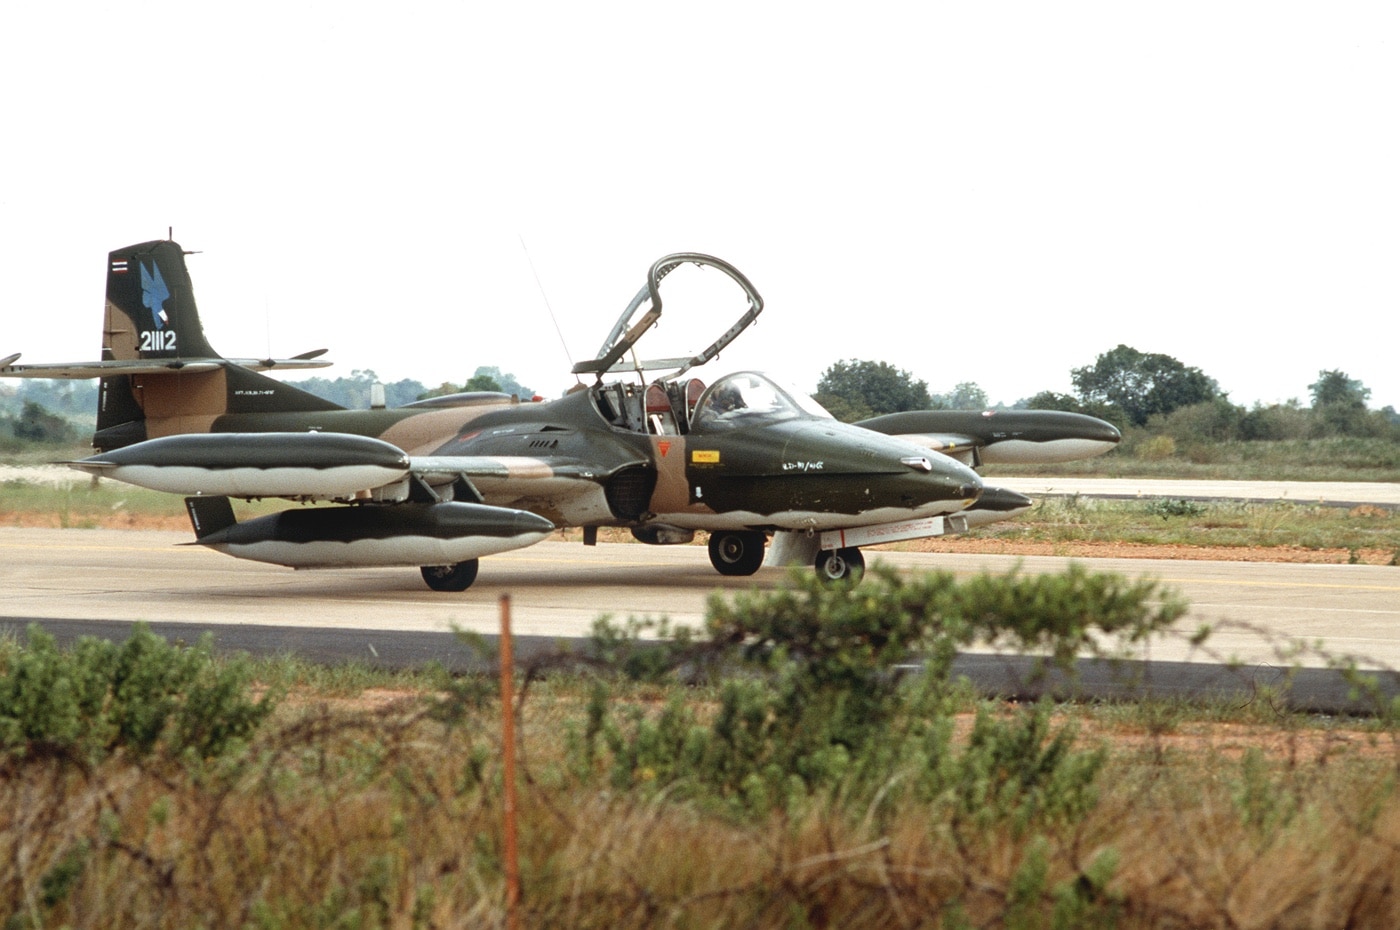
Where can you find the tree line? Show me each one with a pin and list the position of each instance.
(1129, 388)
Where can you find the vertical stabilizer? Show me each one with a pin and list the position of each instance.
(151, 313)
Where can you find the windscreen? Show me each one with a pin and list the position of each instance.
(749, 398)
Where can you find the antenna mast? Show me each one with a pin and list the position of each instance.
(552, 318)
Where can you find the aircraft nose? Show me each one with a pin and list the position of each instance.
(961, 482)
(1003, 500)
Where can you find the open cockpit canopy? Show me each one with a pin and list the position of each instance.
(645, 310)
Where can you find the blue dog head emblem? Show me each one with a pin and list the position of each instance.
(154, 294)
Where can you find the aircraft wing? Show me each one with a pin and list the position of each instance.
(350, 468)
(566, 490)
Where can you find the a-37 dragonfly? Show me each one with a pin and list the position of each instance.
(442, 482)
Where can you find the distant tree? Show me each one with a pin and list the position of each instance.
(966, 396)
(1339, 407)
(1336, 388)
(504, 382)
(486, 378)
(876, 386)
(405, 391)
(847, 411)
(354, 392)
(442, 390)
(1276, 422)
(35, 424)
(1049, 400)
(1215, 420)
(64, 397)
(480, 382)
(1142, 384)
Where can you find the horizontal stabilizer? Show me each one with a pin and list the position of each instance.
(148, 366)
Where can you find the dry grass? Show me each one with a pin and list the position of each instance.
(365, 812)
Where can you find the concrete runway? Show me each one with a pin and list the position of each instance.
(558, 589)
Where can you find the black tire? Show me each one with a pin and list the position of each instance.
(737, 553)
(840, 565)
(457, 577)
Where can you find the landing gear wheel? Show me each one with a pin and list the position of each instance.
(457, 577)
(840, 565)
(737, 553)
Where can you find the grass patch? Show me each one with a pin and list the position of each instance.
(1203, 523)
(87, 504)
(1142, 455)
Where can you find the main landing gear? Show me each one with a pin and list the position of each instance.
(457, 577)
(737, 552)
(741, 552)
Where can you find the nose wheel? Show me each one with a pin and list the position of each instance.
(457, 577)
(737, 553)
(840, 564)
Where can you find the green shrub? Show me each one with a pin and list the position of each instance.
(143, 695)
(1156, 449)
(832, 687)
(1168, 507)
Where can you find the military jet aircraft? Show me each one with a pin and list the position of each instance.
(442, 482)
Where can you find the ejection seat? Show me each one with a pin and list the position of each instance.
(670, 405)
(661, 419)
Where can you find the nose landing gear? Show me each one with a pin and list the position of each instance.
(457, 577)
(840, 564)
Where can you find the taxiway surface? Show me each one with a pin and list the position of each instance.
(558, 589)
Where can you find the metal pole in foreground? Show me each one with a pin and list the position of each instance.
(512, 863)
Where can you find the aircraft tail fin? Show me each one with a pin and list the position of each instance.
(177, 379)
(159, 375)
(209, 515)
(151, 312)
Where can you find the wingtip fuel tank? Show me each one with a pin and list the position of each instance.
(370, 535)
(249, 465)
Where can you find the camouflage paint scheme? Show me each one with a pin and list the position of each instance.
(662, 457)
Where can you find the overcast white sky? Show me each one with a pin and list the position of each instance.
(974, 192)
